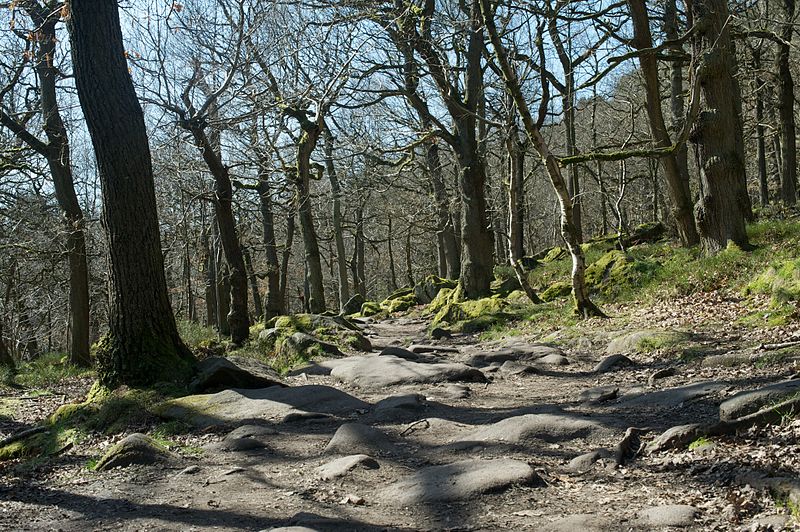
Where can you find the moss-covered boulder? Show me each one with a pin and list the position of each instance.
(426, 290)
(556, 290)
(399, 303)
(504, 286)
(299, 338)
(370, 308)
(648, 340)
(780, 281)
(554, 254)
(135, 449)
(470, 315)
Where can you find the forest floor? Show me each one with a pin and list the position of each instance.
(278, 484)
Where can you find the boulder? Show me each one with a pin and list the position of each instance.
(218, 373)
(751, 401)
(518, 430)
(553, 360)
(584, 462)
(439, 333)
(135, 449)
(671, 397)
(672, 515)
(612, 362)
(274, 404)
(353, 305)
(458, 481)
(355, 438)
(399, 352)
(426, 290)
(381, 371)
(302, 346)
(646, 340)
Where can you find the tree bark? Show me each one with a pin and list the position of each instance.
(338, 232)
(6, 360)
(677, 182)
(238, 318)
(786, 107)
(143, 345)
(724, 204)
(275, 300)
(210, 284)
(761, 148)
(450, 257)
(302, 179)
(258, 306)
(287, 253)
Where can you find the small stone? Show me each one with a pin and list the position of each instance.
(661, 374)
(553, 360)
(341, 466)
(612, 362)
(355, 500)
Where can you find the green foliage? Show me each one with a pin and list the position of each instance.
(702, 441)
(195, 335)
(47, 371)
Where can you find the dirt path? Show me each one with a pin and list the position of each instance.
(556, 417)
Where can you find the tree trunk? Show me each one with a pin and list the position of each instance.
(677, 183)
(392, 270)
(516, 191)
(210, 285)
(786, 107)
(305, 147)
(6, 360)
(724, 204)
(359, 258)
(583, 304)
(287, 253)
(238, 318)
(450, 257)
(258, 306)
(142, 346)
(187, 277)
(761, 148)
(676, 88)
(223, 290)
(275, 303)
(338, 232)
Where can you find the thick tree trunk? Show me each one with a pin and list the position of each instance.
(238, 318)
(274, 305)
(677, 183)
(187, 278)
(143, 345)
(338, 232)
(676, 98)
(516, 193)
(724, 204)
(786, 107)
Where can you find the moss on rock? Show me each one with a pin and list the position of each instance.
(399, 303)
(556, 290)
(780, 281)
(426, 290)
(370, 308)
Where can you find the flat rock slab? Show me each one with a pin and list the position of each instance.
(516, 353)
(677, 515)
(277, 405)
(520, 429)
(135, 449)
(751, 401)
(341, 466)
(382, 371)
(355, 438)
(458, 481)
(671, 397)
(424, 348)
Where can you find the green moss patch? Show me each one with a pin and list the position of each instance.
(780, 281)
